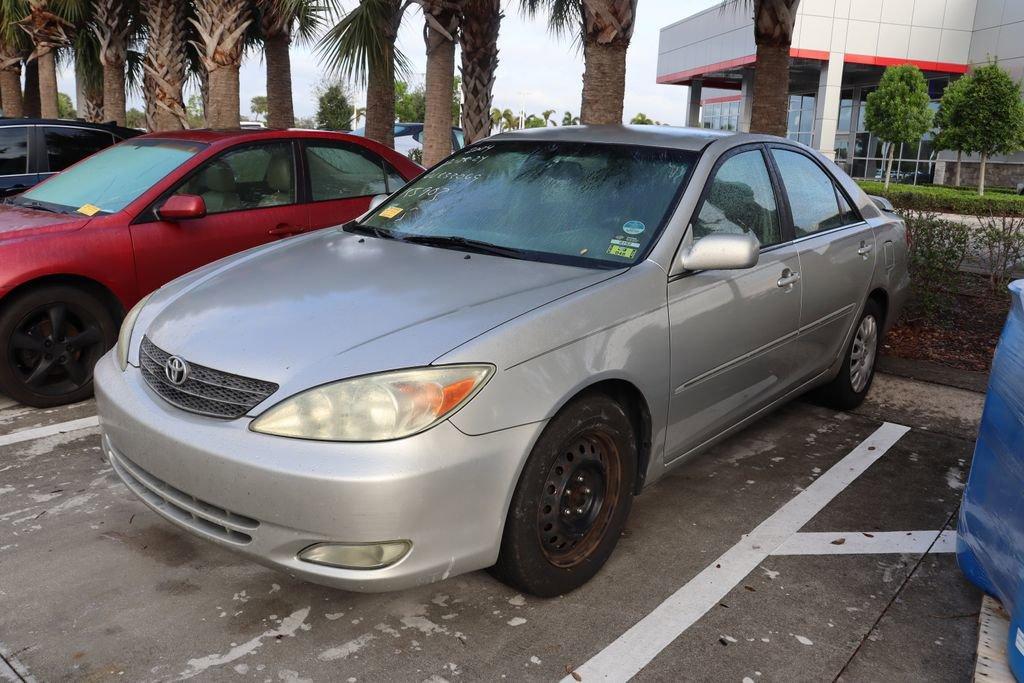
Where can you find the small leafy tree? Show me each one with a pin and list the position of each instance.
(569, 120)
(949, 119)
(642, 119)
(334, 109)
(65, 109)
(897, 111)
(410, 102)
(994, 123)
(135, 118)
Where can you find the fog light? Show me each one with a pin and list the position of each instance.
(356, 555)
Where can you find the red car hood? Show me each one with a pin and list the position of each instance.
(18, 219)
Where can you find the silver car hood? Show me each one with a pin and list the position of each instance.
(335, 305)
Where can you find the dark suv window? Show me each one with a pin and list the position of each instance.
(13, 150)
(66, 145)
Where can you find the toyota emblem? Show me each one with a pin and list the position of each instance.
(176, 370)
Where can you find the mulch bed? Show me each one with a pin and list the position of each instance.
(964, 337)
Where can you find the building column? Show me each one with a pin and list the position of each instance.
(747, 100)
(693, 108)
(826, 112)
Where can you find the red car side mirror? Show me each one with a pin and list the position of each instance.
(181, 207)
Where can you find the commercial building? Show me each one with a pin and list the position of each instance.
(840, 49)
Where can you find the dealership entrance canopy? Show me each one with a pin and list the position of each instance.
(840, 49)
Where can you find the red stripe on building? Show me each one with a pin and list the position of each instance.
(947, 67)
(718, 100)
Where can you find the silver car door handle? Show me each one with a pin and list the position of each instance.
(865, 249)
(788, 280)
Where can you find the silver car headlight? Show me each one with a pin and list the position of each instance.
(124, 338)
(389, 405)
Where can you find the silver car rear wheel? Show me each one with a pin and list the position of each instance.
(862, 355)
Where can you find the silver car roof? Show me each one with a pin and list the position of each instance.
(693, 139)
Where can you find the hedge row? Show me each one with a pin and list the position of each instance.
(943, 199)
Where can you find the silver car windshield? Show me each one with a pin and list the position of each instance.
(584, 204)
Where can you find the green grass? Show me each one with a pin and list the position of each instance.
(942, 199)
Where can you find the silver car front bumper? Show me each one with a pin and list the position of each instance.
(270, 497)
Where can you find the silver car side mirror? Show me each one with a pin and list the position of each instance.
(722, 252)
(377, 200)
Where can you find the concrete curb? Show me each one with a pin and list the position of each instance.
(928, 371)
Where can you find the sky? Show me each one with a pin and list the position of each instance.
(536, 70)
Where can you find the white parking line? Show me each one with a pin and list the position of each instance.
(49, 430)
(634, 649)
(11, 669)
(992, 665)
(868, 543)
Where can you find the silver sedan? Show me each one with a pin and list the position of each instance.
(487, 367)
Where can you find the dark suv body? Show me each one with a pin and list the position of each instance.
(31, 150)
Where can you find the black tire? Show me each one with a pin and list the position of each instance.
(50, 339)
(591, 444)
(843, 392)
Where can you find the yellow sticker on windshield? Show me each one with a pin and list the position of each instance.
(619, 250)
(88, 209)
(390, 212)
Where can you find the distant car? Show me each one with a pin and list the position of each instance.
(32, 150)
(84, 246)
(487, 367)
(252, 125)
(409, 137)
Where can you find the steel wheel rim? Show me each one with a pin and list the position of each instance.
(581, 492)
(862, 355)
(53, 349)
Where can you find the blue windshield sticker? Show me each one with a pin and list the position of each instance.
(633, 227)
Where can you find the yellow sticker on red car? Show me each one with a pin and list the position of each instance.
(88, 209)
(390, 212)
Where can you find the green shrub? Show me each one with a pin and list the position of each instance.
(999, 243)
(941, 199)
(937, 249)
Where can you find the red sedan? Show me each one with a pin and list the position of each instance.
(81, 248)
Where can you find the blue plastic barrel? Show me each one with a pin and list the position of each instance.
(990, 533)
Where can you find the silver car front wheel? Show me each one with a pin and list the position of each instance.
(863, 352)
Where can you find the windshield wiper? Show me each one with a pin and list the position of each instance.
(464, 243)
(362, 229)
(38, 206)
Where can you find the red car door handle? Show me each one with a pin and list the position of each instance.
(284, 229)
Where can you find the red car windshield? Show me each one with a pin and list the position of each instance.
(110, 180)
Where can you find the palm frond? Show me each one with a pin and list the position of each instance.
(565, 17)
(355, 44)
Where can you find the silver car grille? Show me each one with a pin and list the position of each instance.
(206, 391)
(181, 507)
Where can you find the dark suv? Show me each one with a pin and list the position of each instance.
(33, 149)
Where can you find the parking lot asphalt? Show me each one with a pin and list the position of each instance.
(814, 545)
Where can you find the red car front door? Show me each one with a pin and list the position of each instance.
(251, 196)
(343, 177)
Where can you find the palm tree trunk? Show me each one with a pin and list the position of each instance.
(280, 111)
(31, 104)
(48, 84)
(222, 111)
(10, 91)
(604, 82)
(113, 92)
(770, 108)
(380, 99)
(479, 42)
(437, 124)
(164, 65)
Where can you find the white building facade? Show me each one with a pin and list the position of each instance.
(840, 49)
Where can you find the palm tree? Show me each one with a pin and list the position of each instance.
(443, 19)
(165, 64)
(546, 115)
(773, 34)
(12, 47)
(478, 41)
(509, 120)
(113, 23)
(49, 24)
(88, 76)
(569, 120)
(279, 20)
(605, 28)
(361, 48)
(31, 103)
(221, 27)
